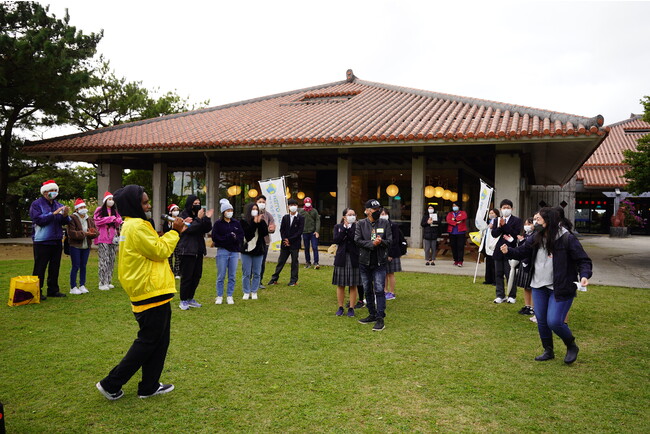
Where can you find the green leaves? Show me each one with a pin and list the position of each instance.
(639, 160)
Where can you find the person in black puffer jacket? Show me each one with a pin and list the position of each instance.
(430, 230)
(191, 249)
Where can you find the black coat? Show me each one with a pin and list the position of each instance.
(249, 233)
(292, 231)
(192, 240)
(344, 239)
(429, 231)
(394, 250)
(513, 227)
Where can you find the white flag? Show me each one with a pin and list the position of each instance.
(485, 196)
(276, 204)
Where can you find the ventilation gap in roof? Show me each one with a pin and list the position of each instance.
(325, 98)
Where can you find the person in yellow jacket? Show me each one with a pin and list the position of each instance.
(149, 282)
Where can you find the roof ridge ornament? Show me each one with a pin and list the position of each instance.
(349, 76)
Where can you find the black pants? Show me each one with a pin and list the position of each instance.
(148, 352)
(489, 269)
(45, 254)
(457, 242)
(284, 255)
(266, 252)
(191, 272)
(501, 272)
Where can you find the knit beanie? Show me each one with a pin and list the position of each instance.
(225, 204)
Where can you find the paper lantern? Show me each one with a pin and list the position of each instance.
(438, 191)
(392, 190)
(333, 193)
(465, 197)
(454, 197)
(234, 190)
(252, 193)
(300, 195)
(429, 191)
(446, 195)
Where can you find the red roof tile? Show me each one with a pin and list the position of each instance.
(349, 111)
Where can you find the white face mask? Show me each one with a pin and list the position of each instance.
(528, 228)
(351, 218)
(110, 203)
(383, 217)
(293, 208)
(148, 214)
(261, 206)
(82, 211)
(431, 211)
(455, 208)
(506, 212)
(254, 213)
(52, 194)
(228, 214)
(175, 213)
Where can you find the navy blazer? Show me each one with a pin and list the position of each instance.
(293, 232)
(344, 239)
(513, 227)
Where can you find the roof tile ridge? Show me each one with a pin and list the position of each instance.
(625, 121)
(532, 111)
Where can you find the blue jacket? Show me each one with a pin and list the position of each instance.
(344, 239)
(46, 228)
(570, 263)
(222, 235)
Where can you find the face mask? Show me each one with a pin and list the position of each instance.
(351, 218)
(455, 208)
(228, 214)
(110, 203)
(506, 212)
(431, 211)
(175, 213)
(538, 227)
(82, 211)
(196, 208)
(148, 214)
(261, 206)
(376, 214)
(383, 217)
(254, 213)
(307, 205)
(53, 194)
(293, 208)
(528, 228)
(492, 216)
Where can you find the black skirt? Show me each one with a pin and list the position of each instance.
(393, 266)
(346, 276)
(523, 276)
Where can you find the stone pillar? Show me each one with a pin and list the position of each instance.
(507, 176)
(418, 171)
(212, 169)
(159, 199)
(109, 178)
(343, 180)
(272, 167)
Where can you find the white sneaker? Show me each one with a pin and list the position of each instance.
(75, 291)
(110, 286)
(246, 296)
(254, 295)
(83, 289)
(177, 277)
(511, 300)
(104, 287)
(219, 300)
(533, 319)
(499, 300)
(230, 300)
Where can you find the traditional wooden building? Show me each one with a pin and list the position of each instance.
(344, 142)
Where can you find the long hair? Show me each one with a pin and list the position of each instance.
(247, 212)
(565, 222)
(547, 237)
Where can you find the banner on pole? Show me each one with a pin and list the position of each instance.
(485, 196)
(276, 204)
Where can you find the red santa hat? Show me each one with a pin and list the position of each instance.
(107, 196)
(171, 207)
(49, 186)
(79, 203)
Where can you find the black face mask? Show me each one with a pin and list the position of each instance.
(376, 214)
(538, 227)
(196, 208)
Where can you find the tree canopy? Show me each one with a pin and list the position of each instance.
(639, 174)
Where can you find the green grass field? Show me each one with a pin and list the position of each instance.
(449, 360)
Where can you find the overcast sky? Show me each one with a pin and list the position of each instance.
(583, 58)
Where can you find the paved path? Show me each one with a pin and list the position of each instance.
(617, 262)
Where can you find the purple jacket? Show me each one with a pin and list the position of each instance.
(46, 227)
(107, 226)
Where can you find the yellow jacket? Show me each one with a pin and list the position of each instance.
(143, 268)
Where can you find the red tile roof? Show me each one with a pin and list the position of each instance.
(343, 112)
(604, 168)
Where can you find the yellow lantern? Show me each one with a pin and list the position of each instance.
(252, 193)
(446, 195)
(392, 190)
(454, 197)
(465, 197)
(287, 193)
(234, 190)
(438, 191)
(333, 193)
(300, 195)
(429, 191)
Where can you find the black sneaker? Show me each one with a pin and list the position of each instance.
(293, 284)
(368, 319)
(307, 266)
(107, 394)
(359, 305)
(272, 282)
(379, 325)
(162, 389)
(523, 311)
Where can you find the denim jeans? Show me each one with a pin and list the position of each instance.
(550, 314)
(226, 261)
(373, 278)
(251, 267)
(79, 259)
(310, 239)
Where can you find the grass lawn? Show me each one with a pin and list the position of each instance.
(448, 360)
